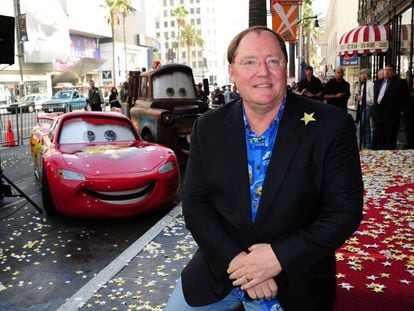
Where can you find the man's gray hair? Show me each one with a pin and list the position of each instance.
(366, 71)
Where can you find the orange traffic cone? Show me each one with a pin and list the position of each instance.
(10, 142)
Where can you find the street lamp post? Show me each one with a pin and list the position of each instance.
(19, 46)
(302, 58)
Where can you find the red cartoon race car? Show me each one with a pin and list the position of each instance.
(94, 164)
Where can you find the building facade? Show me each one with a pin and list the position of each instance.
(398, 16)
(211, 25)
(64, 43)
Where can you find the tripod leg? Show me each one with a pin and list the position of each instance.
(21, 193)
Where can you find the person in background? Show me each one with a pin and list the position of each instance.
(123, 93)
(310, 86)
(390, 96)
(273, 187)
(234, 93)
(218, 97)
(380, 74)
(226, 94)
(113, 99)
(366, 108)
(337, 91)
(200, 93)
(95, 97)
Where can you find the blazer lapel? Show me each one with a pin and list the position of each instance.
(283, 152)
(235, 149)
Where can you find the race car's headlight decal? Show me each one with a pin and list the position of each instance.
(167, 167)
(70, 175)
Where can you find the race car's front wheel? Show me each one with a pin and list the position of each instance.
(48, 204)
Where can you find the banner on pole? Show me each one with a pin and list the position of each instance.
(285, 19)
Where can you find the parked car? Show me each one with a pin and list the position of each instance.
(164, 105)
(28, 103)
(94, 164)
(65, 101)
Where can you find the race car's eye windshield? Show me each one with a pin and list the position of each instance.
(86, 132)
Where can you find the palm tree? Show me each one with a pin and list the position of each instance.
(116, 8)
(180, 13)
(126, 9)
(189, 38)
(257, 13)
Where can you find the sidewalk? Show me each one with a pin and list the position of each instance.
(144, 275)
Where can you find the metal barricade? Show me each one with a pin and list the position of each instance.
(15, 126)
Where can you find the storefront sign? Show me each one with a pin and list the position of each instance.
(349, 61)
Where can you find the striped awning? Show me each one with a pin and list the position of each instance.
(364, 40)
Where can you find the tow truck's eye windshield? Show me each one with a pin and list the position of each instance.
(176, 85)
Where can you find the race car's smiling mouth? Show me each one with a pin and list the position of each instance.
(123, 197)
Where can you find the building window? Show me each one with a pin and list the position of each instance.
(199, 32)
(181, 1)
(172, 23)
(158, 34)
(157, 25)
(198, 21)
(165, 13)
(166, 35)
(165, 24)
(192, 11)
(193, 53)
(198, 10)
(200, 64)
(172, 34)
(200, 53)
(192, 21)
(183, 54)
(194, 64)
(171, 2)
(166, 45)
(164, 3)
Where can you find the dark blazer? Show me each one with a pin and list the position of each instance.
(395, 97)
(311, 201)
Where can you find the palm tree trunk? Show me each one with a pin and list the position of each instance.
(113, 55)
(257, 13)
(125, 47)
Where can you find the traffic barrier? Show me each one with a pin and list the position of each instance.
(9, 142)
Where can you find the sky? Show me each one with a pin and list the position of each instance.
(320, 6)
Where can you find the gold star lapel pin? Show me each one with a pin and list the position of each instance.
(307, 117)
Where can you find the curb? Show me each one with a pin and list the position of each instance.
(105, 275)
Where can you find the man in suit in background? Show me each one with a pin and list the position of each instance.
(95, 98)
(391, 95)
(273, 187)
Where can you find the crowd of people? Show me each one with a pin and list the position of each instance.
(95, 98)
(380, 104)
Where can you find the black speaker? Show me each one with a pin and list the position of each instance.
(7, 40)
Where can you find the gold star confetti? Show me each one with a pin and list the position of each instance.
(308, 117)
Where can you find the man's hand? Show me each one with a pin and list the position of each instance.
(251, 269)
(266, 290)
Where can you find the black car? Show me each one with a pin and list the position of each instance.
(28, 103)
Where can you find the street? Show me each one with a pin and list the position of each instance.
(45, 260)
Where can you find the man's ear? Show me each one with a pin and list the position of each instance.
(230, 71)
